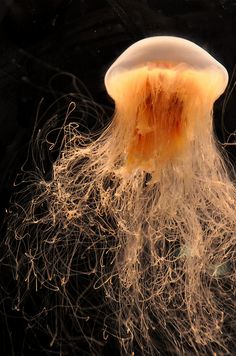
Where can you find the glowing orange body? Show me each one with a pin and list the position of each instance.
(160, 106)
(160, 123)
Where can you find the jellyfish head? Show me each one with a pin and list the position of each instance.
(164, 88)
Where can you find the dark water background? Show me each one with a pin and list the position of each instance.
(42, 39)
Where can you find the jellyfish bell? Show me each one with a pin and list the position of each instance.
(165, 49)
(164, 89)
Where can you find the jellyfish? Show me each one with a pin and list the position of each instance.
(145, 210)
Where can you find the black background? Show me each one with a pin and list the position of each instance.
(41, 39)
